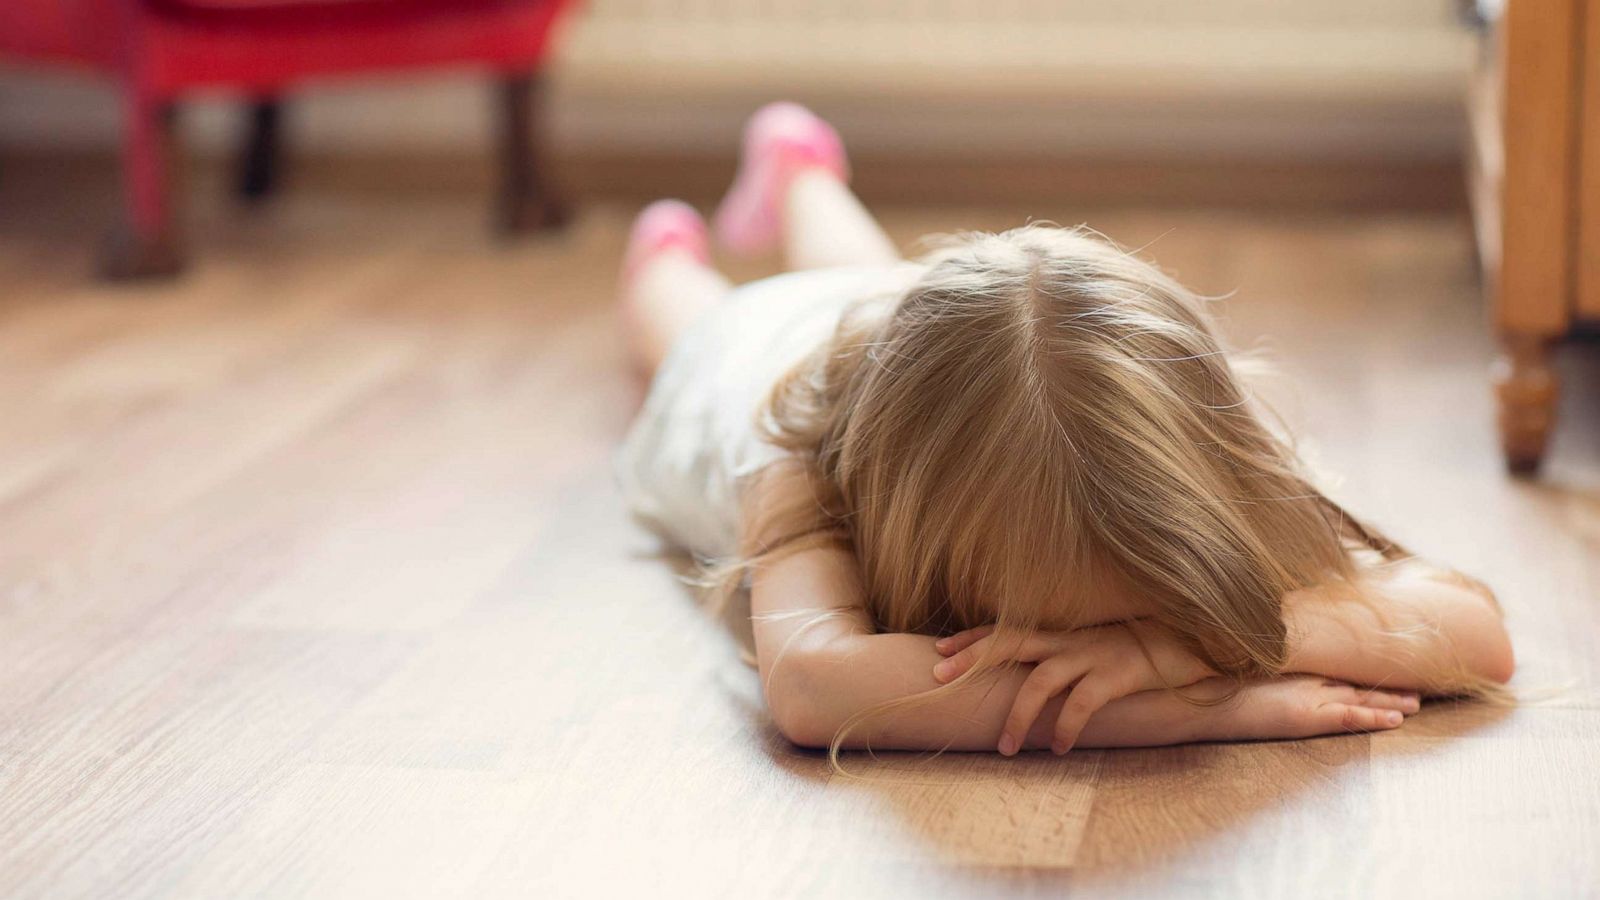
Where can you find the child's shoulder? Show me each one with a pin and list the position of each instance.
(784, 498)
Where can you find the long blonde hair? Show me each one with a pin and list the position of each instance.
(1040, 417)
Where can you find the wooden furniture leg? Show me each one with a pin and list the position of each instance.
(260, 159)
(526, 201)
(146, 244)
(1526, 389)
(1532, 299)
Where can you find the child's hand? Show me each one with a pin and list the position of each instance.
(1302, 706)
(1093, 665)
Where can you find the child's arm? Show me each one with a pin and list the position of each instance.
(1410, 626)
(820, 665)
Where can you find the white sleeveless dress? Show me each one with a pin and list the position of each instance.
(687, 455)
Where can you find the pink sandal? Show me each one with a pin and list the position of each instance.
(780, 140)
(664, 225)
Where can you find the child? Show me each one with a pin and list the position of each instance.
(1012, 495)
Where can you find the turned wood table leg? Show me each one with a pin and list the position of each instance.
(1526, 388)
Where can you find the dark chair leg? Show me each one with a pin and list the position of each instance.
(147, 243)
(260, 157)
(527, 201)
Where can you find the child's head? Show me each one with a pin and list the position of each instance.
(1042, 417)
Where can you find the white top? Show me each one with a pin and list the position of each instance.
(695, 442)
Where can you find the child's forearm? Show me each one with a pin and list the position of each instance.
(822, 692)
(1409, 629)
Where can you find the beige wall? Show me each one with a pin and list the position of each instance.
(1346, 79)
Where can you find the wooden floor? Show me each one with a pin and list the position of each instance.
(314, 582)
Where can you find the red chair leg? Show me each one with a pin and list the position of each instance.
(146, 243)
(527, 201)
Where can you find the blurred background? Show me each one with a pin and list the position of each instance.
(314, 579)
(1360, 99)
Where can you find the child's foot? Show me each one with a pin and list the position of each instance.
(780, 140)
(666, 231)
(662, 226)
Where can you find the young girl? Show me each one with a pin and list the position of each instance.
(1012, 495)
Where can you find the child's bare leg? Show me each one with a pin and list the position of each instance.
(667, 282)
(824, 224)
(791, 191)
(670, 292)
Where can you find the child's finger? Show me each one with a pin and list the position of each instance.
(1339, 717)
(1030, 649)
(1088, 696)
(952, 667)
(1407, 702)
(961, 640)
(1048, 679)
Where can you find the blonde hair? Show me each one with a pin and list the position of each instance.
(1040, 417)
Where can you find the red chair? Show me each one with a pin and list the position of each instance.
(160, 49)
